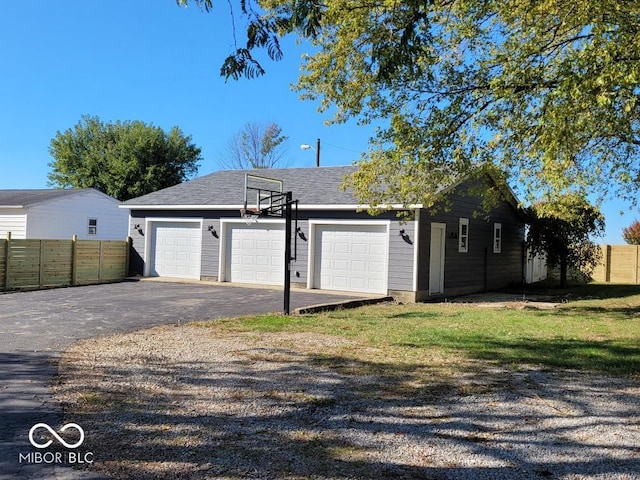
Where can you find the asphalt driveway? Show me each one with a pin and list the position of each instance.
(36, 327)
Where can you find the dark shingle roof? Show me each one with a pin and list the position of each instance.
(26, 198)
(311, 186)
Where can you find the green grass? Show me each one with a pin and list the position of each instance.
(596, 328)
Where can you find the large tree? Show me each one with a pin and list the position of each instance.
(256, 145)
(122, 159)
(546, 89)
(563, 229)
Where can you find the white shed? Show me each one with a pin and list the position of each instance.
(61, 213)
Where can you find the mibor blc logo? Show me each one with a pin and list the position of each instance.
(68, 456)
(57, 437)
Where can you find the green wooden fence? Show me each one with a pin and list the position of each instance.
(619, 264)
(33, 264)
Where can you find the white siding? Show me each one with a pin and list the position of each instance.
(62, 218)
(13, 220)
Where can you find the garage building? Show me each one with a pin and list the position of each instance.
(194, 230)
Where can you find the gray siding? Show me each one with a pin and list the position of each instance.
(138, 217)
(401, 249)
(137, 242)
(210, 257)
(478, 269)
(401, 255)
(300, 266)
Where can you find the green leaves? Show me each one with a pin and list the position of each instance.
(545, 89)
(561, 228)
(122, 159)
(257, 145)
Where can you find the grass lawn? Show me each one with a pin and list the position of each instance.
(596, 328)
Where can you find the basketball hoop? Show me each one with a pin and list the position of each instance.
(266, 197)
(250, 216)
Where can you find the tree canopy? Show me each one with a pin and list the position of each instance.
(122, 159)
(631, 234)
(547, 90)
(256, 145)
(562, 229)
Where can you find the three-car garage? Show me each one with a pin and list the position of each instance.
(340, 256)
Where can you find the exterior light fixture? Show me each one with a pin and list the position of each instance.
(306, 146)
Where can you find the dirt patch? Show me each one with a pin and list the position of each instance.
(505, 300)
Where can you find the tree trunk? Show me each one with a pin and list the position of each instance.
(563, 272)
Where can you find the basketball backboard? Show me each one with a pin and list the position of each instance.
(263, 196)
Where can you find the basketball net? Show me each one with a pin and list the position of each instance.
(250, 216)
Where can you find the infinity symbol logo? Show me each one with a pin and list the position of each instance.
(58, 437)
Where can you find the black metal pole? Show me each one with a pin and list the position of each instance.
(287, 252)
(318, 152)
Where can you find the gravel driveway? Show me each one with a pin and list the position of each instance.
(36, 327)
(195, 403)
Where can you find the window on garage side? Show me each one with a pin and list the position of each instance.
(497, 238)
(463, 235)
(92, 226)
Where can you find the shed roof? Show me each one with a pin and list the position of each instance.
(311, 186)
(30, 197)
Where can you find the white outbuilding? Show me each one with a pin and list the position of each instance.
(59, 214)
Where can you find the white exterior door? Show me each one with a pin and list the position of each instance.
(255, 253)
(436, 258)
(351, 257)
(175, 250)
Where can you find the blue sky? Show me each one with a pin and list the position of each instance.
(153, 61)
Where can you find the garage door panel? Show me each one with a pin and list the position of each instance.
(175, 250)
(359, 266)
(255, 254)
(351, 257)
(341, 248)
(359, 248)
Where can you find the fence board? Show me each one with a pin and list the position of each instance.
(3, 264)
(620, 264)
(45, 263)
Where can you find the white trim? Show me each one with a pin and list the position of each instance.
(148, 228)
(89, 226)
(300, 207)
(181, 207)
(443, 256)
(313, 223)
(225, 223)
(416, 243)
(497, 239)
(463, 248)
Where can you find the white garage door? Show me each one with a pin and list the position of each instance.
(255, 254)
(175, 249)
(351, 258)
